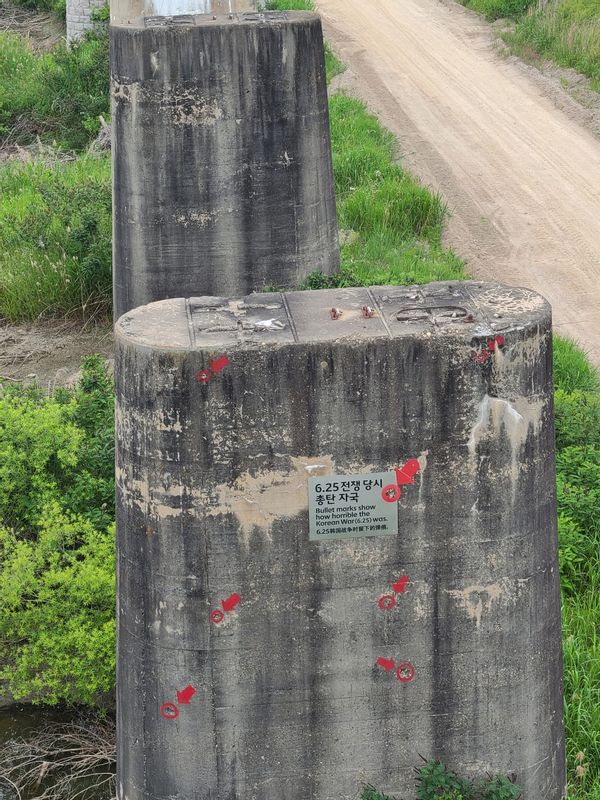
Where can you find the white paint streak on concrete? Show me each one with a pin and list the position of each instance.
(477, 599)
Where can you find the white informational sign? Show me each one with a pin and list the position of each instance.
(345, 506)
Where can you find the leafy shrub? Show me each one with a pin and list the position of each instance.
(496, 9)
(55, 238)
(57, 610)
(436, 782)
(57, 541)
(500, 788)
(436, 779)
(58, 96)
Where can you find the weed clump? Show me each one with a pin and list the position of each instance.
(55, 239)
(58, 96)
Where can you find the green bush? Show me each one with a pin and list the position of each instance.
(57, 579)
(577, 414)
(57, 610)
(436, 779)
(58, 96)
(436, 782)
(55, 238)
(496, 9)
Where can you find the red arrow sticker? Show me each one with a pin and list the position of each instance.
(185, 695)
(406, 474)
(400, 584)
(231, 602)
(386, 663)
(219, 363)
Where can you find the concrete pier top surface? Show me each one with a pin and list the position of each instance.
(126, 12)
(472, 311)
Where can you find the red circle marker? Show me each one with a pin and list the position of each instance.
(386, 602)
(391, 493)
(204, 376)
(405, 672)
(217, 616)
(169, 706)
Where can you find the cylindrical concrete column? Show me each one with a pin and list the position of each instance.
(337, 544)
(223, 178)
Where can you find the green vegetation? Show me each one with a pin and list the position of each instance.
(56, 96)
(396, 223)
(57, 585)
(55, 238)
(55, 229)
(56, 453)
(565, 31)
(497, 9)
(577, 404)
(436, 782)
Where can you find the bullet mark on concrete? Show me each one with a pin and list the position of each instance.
(391, 493)
(216, 365)
(485, 352)
(169, 711)
(228, 605)
(204, 376)
(405, 672)
(386, 602)
(405, 475)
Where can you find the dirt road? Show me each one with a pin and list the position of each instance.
(521, 176)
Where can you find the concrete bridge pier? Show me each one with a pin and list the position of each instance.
(222, 167)
(337, 544)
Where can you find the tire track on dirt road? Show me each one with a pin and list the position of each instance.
(521, 176)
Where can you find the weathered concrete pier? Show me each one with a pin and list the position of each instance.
(337, 544)
(222, 168)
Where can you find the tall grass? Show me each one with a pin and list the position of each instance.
(577, 403)
(567, 31)
(55, 238)
(56, 96)
(396, 223)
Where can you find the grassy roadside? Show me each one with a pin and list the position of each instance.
(564, 31)
(55, 218)
(55, 257)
